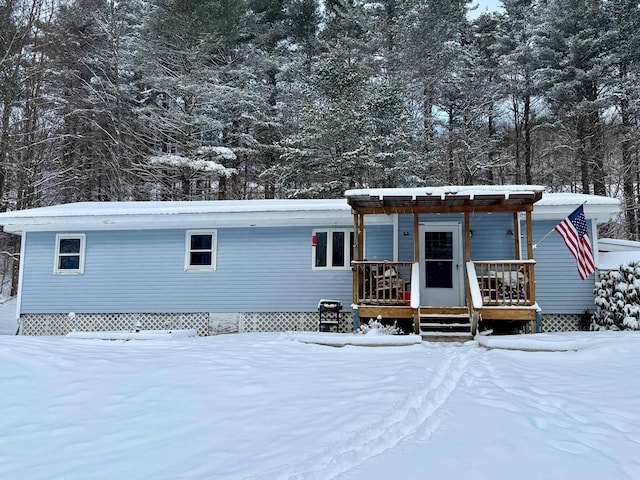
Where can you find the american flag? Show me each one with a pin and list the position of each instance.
(573, 231)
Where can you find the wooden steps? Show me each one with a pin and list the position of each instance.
(445, 324)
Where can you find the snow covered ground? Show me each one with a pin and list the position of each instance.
(8, 325)
(264, 406)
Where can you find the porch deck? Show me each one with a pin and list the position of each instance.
(496, 291)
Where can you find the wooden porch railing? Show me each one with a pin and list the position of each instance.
(381, 283)
(506, 282)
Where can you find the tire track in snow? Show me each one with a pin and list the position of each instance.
(414, 414)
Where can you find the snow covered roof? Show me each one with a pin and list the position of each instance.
(613, 260)
(617, 245)
(460, 190)
(198, 214)
(558, 205)
(547, 206)
(450, 198)
(614, 252)
(249, 213)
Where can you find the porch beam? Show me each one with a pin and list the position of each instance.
(372, 311)
(443, 209)
(506, 313)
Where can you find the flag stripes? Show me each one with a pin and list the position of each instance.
(573, 231)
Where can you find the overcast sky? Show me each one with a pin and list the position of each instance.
(484, 6)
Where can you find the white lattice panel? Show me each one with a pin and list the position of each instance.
(45, 324)
(203, 323)
(60, 324)
(288, 321)
(558, 322)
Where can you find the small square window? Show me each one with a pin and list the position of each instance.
(201, 250)
(69, 256)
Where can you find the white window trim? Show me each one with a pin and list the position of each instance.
(347, 248)
(56, 258)
(187, 251)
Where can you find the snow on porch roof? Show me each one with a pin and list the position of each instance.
(448, 197)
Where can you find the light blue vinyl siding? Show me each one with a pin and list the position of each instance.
(378, 242)
(258, 270)
(490, 240)
(559, 288)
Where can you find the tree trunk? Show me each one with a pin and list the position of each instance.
(222, 188)
(451, 170)
(581, 155)
(517, 126)
(15, 270)
(628, 172)
(271, 160)
(491, 131)
(597, 153)
(528, 176)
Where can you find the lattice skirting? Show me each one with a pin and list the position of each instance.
(288, 321)
(560, 322)
(203, 323)
(61, 324)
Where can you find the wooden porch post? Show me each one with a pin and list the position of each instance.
(354, 276)
(467, 237)
(516, 235)
(529, 236)
(360, 237)
(416, 237)
(532, 278)
(416, 259)
(357, 253)
(467, 257)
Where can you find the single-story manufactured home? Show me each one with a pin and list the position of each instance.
(437, 260)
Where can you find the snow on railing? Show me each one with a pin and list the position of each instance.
(415, 285)
(474, 287)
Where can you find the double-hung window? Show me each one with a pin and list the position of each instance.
(332, 248)
(69, 258)
(201, 250)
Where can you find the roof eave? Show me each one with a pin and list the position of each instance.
(319, 218)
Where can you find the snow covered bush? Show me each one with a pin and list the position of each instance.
(375, 327)
(618, 299)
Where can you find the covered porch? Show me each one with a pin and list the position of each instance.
(444, 284)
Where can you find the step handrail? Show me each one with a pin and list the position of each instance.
(474, 297)
(474, 287)
(415, 286)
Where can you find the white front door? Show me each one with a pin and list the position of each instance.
(441, 266)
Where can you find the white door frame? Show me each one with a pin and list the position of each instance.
(443, 297)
